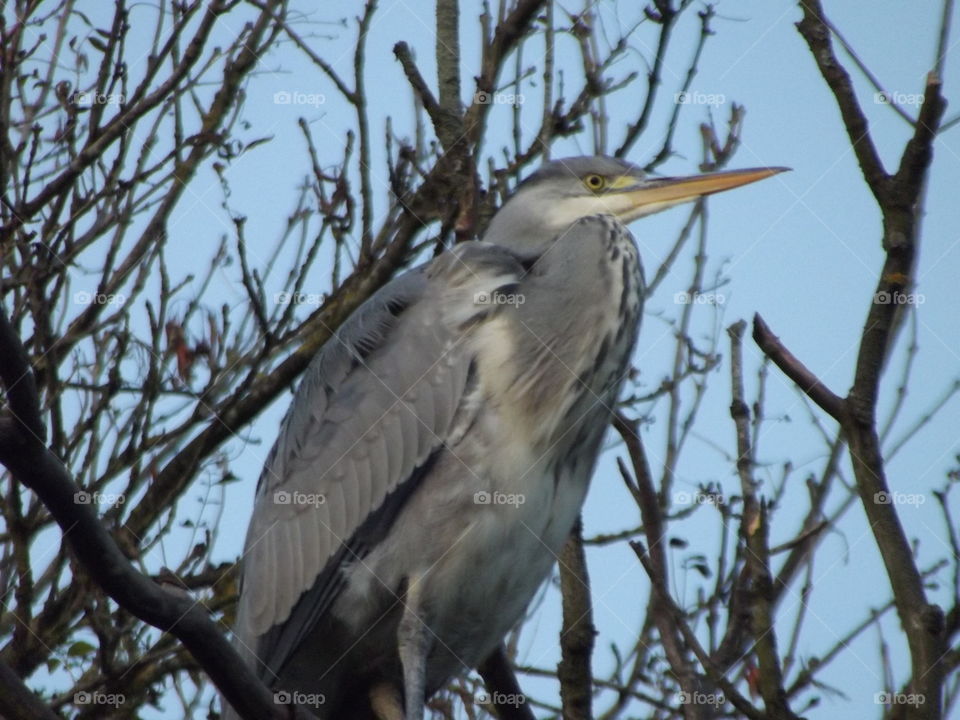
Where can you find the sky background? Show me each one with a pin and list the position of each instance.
(803, 249)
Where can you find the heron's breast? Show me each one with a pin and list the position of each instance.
(570, 342)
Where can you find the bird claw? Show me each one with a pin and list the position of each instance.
(386, 703)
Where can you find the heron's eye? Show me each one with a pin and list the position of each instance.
(595, 182)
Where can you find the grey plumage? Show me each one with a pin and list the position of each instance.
(438, 450)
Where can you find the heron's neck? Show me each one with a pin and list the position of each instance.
(516, 228)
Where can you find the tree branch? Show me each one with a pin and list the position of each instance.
(450, 126)
(33, 465)
(17, 701)
(809, 383)
(578, 632)
(669, 624)
(814, 29)
(923, 622)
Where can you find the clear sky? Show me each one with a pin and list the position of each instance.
(803, 249)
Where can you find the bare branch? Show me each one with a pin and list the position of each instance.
(402, 52)
(577, 633)
(17, 702)
(449, 121)
(36, 467)
(814, 29)
(796, 370)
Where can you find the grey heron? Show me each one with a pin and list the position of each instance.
(438, 450)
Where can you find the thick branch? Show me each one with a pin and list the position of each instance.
(908, 181)
(655, 562)
(402, 52)
(761, 601)
(923, 622)
(814, 29)
(796, 370)
(754, 529)
(669, 607)
(20, 384)
(33, 465)
(505, 38)
(17, 701)
(577, 633)
(450, 126)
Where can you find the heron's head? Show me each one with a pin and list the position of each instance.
(563, 191)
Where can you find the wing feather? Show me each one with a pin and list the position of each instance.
(327, 543)
(392, 439)
(351, 494)
(271, 598)
(337, 520)
(410, 430)
(371, 412)
(310, 547)
(424, 411)
(283, 587)
(364, 482)
(294, 571)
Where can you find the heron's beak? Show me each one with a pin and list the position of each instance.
(654, 194)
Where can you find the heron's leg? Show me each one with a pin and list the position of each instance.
(413, 638)
(385, 701)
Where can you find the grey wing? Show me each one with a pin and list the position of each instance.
(377, 402)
